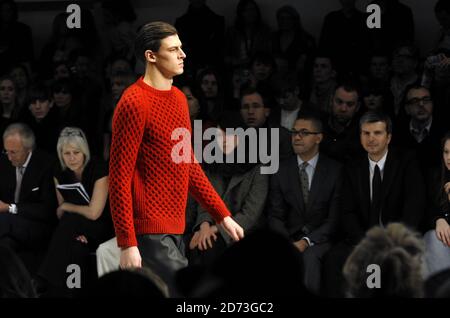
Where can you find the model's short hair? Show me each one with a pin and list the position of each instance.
(75, 137)
(375, 116)
(150, 35)
(398, 252)
(25, 133)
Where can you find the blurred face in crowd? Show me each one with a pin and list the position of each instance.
(62, 97)
(227, 142)
(373, 101)
(40, 108)
(288, 99)
(16, 151)
(209, 86)
(375, 139)
(7, 92)
(419, 104)
(20, 77)
(118, 85)
(61, 71)
(446, 154)
(253, 111)
(73, 157)
(344, 105)
(121, 66)
(286, 21)
(404, 62)
(305, 138)
(379, 67)
(261, 70)
(194, 105)
(322, 70)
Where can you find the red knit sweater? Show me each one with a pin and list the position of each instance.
(148, 191)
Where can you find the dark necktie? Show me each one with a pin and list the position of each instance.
(18, 183)
(304, 180)
(376, 197)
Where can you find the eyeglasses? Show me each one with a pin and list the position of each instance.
(416, 101)
(304, 133)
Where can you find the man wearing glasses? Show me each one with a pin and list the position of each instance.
(27, 194)
(423, 131)
(304, 197)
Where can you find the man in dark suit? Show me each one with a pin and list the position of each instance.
(305, 197)
(381, 187)
(27, 192)
(423, 131)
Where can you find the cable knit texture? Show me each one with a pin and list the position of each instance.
(148, 190)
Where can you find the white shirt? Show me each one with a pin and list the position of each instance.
(13, 207)
(380, 164)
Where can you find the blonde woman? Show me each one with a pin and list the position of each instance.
(84, 219)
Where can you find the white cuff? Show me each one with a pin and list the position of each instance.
(308, 240)
(12, 209)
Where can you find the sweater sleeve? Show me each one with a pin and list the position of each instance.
(127, 133)
(204, 193)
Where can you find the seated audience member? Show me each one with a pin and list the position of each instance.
(42, 118)
(382, 186)
(211, 94)
(422, 131)
(404, 63)
(27, 195)
(437, 240)
(376, 98)
(255, 110)
(305, 198)
(15, 280)
(263, 67)
(21, 76)
(323, 83)
(341, 128)
(84, 221)
(9, 106)
(398, 252)
(241, 186)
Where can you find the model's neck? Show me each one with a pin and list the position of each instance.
(156, 79)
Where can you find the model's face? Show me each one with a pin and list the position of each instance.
(170, 56)
(322, 70)
(303, 142)
(446, 154)
(15, 150)
(344, 105)
(419, 104)
(40, 108)
(209, 86)
(73, 157)
(253, 111)
(375, 139)
(194, 106)
(7, 92)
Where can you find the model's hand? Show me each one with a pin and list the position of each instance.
(194, 240)
(443, 231)
(234, 230)
(130, 258)
(4, 207)
(207, 234)
(301, 245)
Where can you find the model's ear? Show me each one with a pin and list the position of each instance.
(149, 56)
